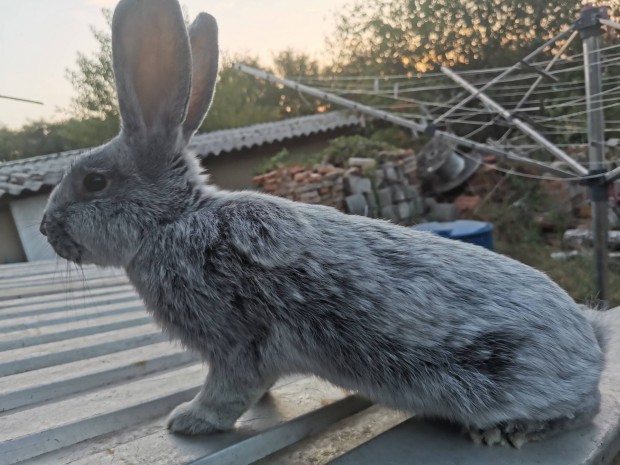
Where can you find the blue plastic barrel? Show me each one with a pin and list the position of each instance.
(474, 232)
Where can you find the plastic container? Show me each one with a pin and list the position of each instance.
(474, 232)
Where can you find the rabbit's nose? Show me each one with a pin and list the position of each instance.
(42, 226)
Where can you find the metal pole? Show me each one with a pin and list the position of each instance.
(507, 71)
(400, 121)
(609, 23)
(613, 174)
(539, 79)
(590, 28)
(526, 128)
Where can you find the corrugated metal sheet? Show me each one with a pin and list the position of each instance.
(87, 378)
(31, 174)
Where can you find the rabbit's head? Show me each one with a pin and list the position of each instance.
(114, 196)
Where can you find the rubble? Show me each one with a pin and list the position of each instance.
(579, 238)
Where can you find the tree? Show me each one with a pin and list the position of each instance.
(240, 99)
(408, 36)
(295, 65)
(93, 78)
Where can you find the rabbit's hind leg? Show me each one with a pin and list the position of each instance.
(513, 434)
(517, 433)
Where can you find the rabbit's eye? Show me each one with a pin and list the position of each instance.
(94, 182)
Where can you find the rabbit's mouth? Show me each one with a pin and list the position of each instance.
(64, 245)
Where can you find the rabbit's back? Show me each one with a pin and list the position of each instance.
(412, 320)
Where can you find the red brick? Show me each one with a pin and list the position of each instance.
(272, 174)
(258, 179)
(293, 170)
(271, 186)
(299, 177)
(324, 169)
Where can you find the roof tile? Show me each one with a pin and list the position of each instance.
(34, 173)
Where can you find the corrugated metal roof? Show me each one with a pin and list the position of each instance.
(31, 174)
(87, 378)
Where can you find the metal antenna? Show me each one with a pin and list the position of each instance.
(21, 99)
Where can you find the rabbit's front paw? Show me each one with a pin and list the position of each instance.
(192, 418)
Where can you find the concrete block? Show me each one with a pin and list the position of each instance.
(389, 172)
(371, 200)
(385, 196)
(409, 191)
(357, 185)
(398, 195)
(379, 181)
(373, 207)
(362, 162)
(404, 210)
(429, 202)
(389, 213)
(357, 205)
(443, 212)
(417, 207)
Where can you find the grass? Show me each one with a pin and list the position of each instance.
(513, 209)
(576, 275)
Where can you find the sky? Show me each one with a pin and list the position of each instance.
(39, 40)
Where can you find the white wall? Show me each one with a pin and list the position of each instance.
(27, 214)
(11, 250)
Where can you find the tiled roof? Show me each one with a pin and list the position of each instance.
(32, 174)
(228, 140)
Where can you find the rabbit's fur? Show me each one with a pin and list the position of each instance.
(262, 287)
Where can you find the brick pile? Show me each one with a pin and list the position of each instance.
(365, 188)
(321, 184)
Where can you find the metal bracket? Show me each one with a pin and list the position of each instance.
(598, 184)
(588, 23)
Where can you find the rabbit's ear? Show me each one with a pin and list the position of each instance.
(152, 66)
(203, 40)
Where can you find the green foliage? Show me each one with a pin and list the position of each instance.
(279, 160)
(409, 36)
(93, 78)
(575, 276)
(516, 203)
(342, 148)
(41, 137)
(394, 136)
(295, 65)
(240, 99)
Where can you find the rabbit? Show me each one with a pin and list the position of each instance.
(263, 287)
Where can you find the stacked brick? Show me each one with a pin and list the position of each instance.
(393, 194)
(322, 184)
(385, 191)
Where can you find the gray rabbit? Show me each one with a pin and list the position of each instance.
(262, 287)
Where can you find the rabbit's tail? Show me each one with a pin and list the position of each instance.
(606, 325)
